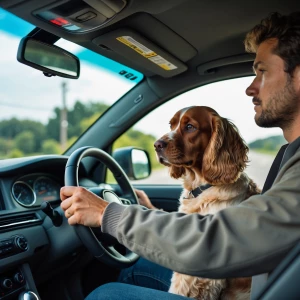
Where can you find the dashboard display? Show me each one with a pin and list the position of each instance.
(34, 189)
(23, 193)
(46, 189)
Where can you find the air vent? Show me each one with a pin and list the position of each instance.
(19, 221)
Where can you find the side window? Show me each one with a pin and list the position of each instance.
(228, 98)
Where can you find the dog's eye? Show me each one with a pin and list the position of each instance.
(190, 127)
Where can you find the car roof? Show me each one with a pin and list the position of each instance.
(195, 37)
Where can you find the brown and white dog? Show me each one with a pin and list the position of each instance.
(208, 153)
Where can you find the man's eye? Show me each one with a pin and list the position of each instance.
(261, 70)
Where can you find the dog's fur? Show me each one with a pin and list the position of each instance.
(204, 148)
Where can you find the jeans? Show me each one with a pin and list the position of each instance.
(142, 281)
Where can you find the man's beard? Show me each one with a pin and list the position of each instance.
(280, 109)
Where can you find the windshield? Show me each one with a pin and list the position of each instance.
(45, 115)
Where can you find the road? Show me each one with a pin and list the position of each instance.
(257, 169)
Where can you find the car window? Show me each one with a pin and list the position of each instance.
(228, 98)
(42, 115)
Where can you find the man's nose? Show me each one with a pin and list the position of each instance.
(252, 89)
(159, 145)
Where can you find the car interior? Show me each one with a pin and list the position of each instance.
(163, 49)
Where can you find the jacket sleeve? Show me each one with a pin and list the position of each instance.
(239, 241)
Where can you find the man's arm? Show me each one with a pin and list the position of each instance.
(244, 240)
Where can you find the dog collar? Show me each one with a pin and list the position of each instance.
(197, 191)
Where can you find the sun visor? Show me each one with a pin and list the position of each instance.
(138, 49)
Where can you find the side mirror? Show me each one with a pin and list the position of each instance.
(50, 59)
(135, 162)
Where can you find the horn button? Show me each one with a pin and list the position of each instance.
(110, 197)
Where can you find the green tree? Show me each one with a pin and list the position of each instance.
(76, 116)
(25, 142)
(51, 147)
(269, 144)
(9, 129)
(53, 125)
(15, 153)
(6, 145)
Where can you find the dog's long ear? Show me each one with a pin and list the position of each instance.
(176, 172)
(226, 155)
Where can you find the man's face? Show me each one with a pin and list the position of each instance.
(272, 89)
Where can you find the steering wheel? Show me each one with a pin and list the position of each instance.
(103, 251)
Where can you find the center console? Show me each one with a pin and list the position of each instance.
(17, 283)
(11, 282)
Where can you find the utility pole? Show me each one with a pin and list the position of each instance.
(63, 118)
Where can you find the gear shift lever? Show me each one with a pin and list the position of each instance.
(28, 295)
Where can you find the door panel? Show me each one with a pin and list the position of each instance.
(162, 196)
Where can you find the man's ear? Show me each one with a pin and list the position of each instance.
(296, 80)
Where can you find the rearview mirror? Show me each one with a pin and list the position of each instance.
(135, 162)
(50, 59)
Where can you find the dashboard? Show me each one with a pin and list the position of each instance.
(25, 183)
(27, 234)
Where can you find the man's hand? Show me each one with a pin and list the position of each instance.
(82, 206)
(144, 199)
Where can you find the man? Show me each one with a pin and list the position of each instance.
(255, 235)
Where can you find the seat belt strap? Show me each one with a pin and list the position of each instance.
(274, 169)
(259, 281)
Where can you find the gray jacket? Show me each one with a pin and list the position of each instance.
(244, 240)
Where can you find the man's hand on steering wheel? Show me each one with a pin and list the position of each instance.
(82, 206)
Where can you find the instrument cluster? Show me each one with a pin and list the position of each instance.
(33, 190)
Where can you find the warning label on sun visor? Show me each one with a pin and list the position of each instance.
(146, 52)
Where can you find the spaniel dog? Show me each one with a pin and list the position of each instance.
(207, 152)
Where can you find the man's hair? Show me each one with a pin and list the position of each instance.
(286, 30)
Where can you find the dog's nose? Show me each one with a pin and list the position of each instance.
(159, 145)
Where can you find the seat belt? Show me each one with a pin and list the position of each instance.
(259, 281)
(274, 169)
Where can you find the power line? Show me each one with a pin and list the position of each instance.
(26, 107)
